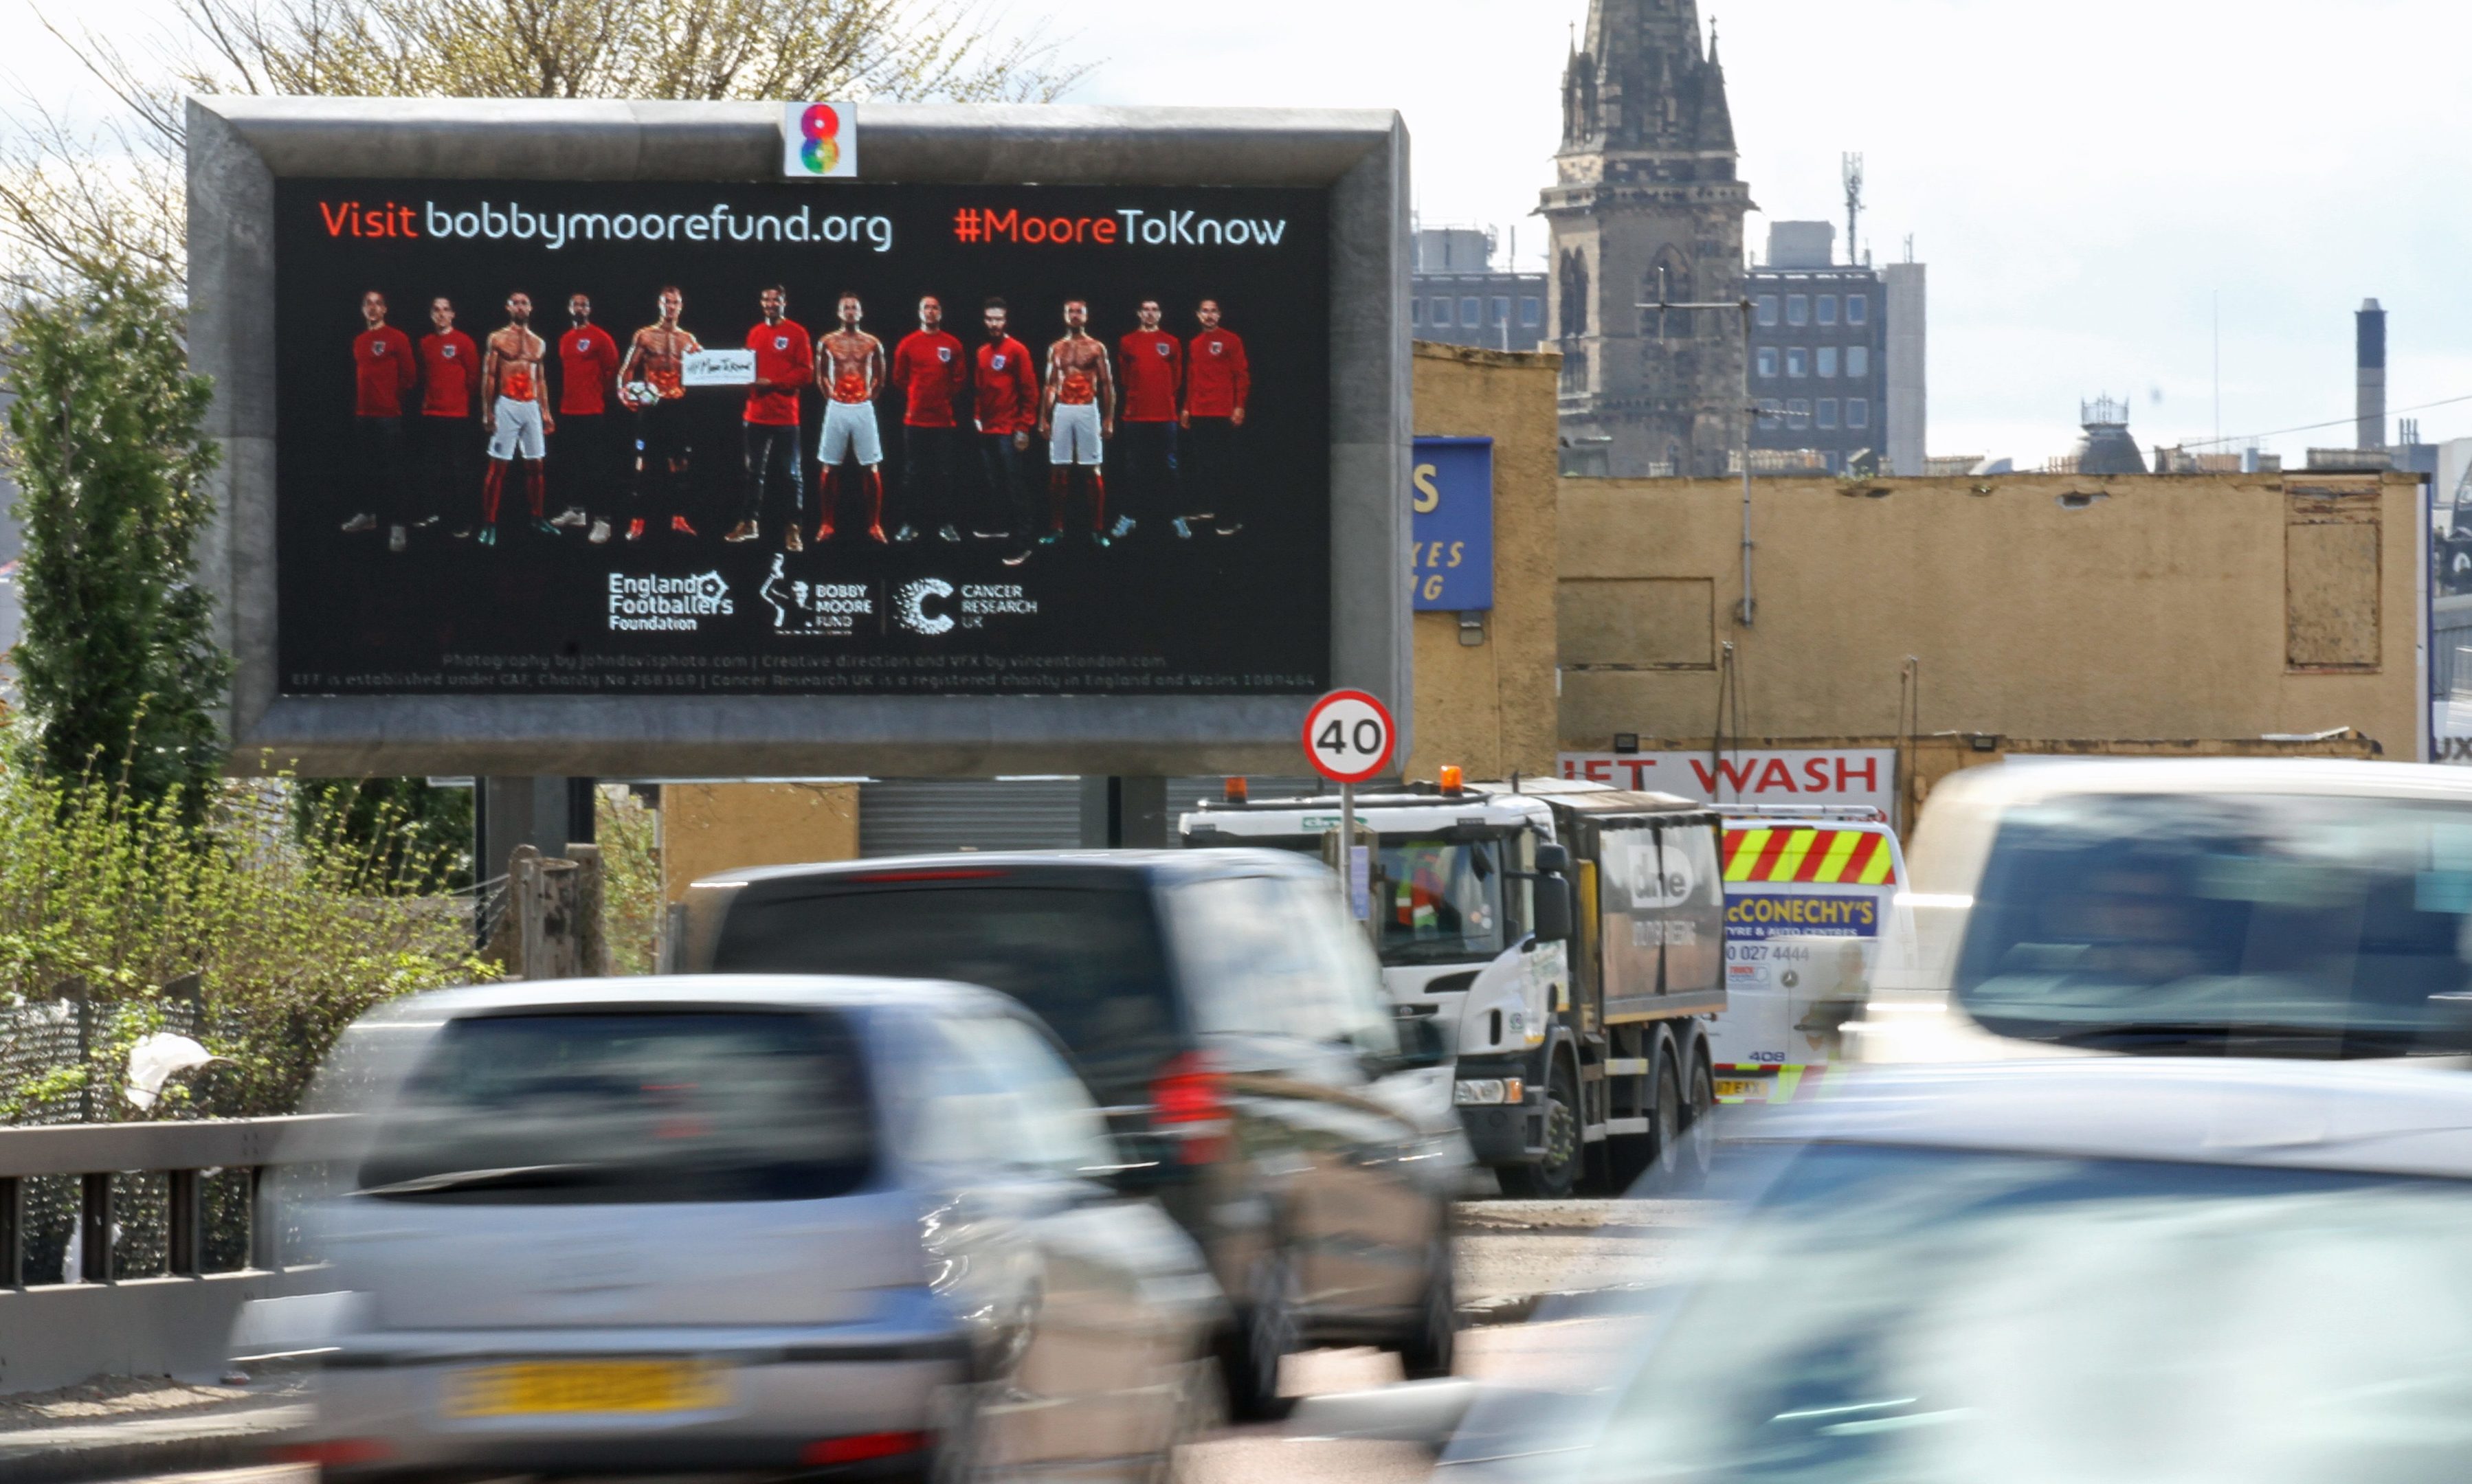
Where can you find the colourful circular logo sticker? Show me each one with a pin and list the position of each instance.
(822, 124)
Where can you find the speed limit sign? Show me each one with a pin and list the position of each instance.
(1348, 735)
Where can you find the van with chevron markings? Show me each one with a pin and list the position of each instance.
(1810, 907)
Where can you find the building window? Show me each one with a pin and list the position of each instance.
(1531, 314)
(1828, 411)
(1827, 360)
(1472, 313)
(1858, 360)
(1828, 309)
(1767, 359)
(1442, 313)
(1768, 309)
(1798, 309)
(1858, 309)
(1416, 311)
(1797, 361)
(1502, 311)
(1798, 412)
(1770, 411)
(1857, 413)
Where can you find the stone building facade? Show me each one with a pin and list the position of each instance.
(1646, 207)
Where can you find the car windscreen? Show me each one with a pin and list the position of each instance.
(2273, 923)
(1087, 961)
(1941, 1317)
(1439, 901)
(627, 1107)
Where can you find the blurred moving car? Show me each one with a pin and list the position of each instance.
(743, 1224)
(2096, 1270)
(2309, 908)
(1232, 1022)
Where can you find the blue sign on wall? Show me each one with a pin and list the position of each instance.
(1452, 531)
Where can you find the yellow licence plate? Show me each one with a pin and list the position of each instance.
(586, 1387)
(1745, 1088)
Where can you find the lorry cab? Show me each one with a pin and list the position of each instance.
(1450, 895)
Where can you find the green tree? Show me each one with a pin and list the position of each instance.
(413, 837)
(118, 667)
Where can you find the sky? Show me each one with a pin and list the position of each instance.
(2092, 185)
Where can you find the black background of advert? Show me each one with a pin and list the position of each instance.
(1246, 614)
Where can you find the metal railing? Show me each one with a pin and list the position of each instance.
(93, 1314)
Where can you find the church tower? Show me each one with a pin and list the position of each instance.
(1646, 207)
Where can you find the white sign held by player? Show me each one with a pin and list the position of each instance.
(1348, 735)
(716, 368)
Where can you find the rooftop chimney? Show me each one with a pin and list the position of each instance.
(2370, 373)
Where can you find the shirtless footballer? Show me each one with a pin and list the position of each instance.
(515, 411)
(649, 382)
(850, 367)
(1076, 415)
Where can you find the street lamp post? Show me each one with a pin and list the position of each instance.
(1750, 413)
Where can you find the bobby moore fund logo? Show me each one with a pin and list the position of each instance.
(818, 139)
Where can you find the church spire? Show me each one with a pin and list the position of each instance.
(1646, 82)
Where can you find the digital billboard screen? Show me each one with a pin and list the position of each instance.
(668, 438)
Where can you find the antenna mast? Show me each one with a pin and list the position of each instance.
(1852, 172)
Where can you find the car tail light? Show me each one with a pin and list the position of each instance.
(333, 1452)
(860, 1447)
(1189, 1103)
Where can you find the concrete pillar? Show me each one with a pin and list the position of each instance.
(1127, 814)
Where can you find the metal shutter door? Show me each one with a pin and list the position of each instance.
(908, 816)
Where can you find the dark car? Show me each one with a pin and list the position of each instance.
(1232, 1022)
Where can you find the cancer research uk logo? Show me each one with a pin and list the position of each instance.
(819, 140)
(926, 605)
(659, 604)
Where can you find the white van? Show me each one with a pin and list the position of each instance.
(2312, 909)
(1810, 914)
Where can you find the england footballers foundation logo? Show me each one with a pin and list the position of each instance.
(665, 604)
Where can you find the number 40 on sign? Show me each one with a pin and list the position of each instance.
(1348, 735)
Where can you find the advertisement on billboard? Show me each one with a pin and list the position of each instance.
(658, 438)
(1783, 777)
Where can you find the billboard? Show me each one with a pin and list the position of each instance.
(688, 438)
(594, 437)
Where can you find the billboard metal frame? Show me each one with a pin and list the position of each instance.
(237, 147)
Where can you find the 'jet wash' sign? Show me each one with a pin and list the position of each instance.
(1786, 776)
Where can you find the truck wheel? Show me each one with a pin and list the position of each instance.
(1665, 1118)
(1558, 1169)
(1698, 1148)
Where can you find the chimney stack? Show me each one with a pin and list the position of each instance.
(2370, 371)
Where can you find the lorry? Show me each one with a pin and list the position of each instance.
(1567, 939)
(1811, 916)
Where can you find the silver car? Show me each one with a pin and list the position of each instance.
(2065, 1271)
(753, 1223)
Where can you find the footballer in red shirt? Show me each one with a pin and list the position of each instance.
(1007, 408)
(384, 371)
(588, 441)
(785, 362)
(1150, 370)
(450, 392)
(932, 369)
(1217, 382)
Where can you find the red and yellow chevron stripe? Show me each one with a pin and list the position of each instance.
(1846, 858)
